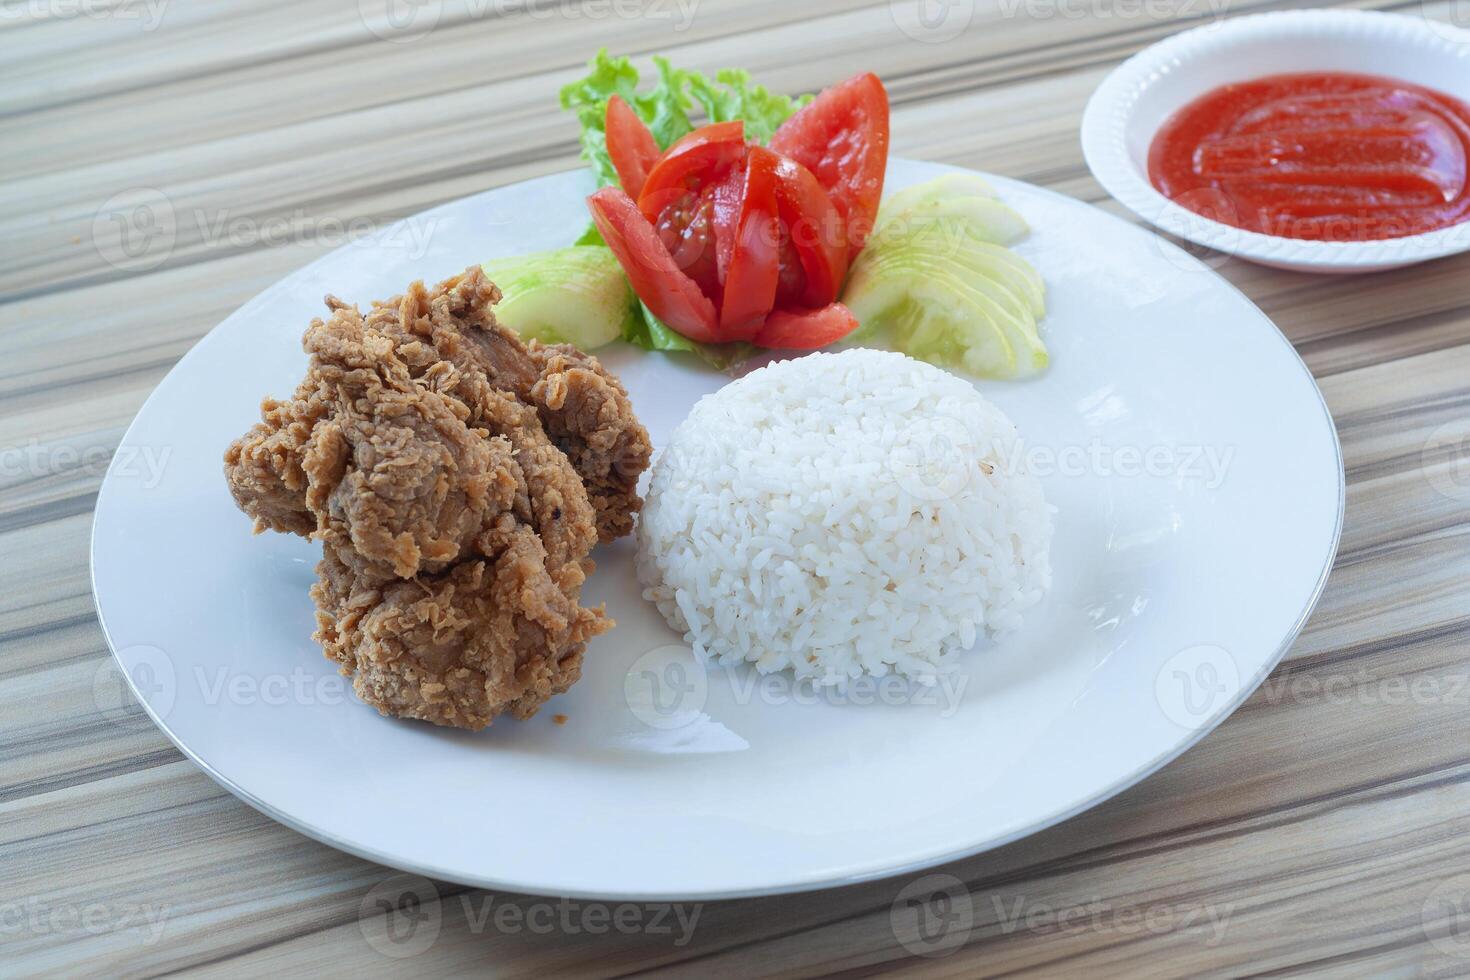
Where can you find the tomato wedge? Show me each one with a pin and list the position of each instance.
(842, 138)
(752, 269)
(630, 144)
(725, 201)
(687, 228)
(814, 226)
(672, 296)
(696, 160)
(806, 329)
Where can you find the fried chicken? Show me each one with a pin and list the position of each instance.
(584, 409)
(457, 480)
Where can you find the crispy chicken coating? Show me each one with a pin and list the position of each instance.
(584, 409)
(457, 481)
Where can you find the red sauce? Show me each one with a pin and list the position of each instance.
(1323, 156)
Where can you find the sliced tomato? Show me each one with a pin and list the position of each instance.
(842, 138)
(678, 199)
(672, 296)
(813, 226)
(696, 160)
(806, 329)
(726, 203)
(630, 144)
(752, 270)
(790, 279)
(687, 229)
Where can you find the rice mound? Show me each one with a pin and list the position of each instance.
(842, 514)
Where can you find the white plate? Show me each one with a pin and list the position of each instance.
(1179, 584)
(1139, 95)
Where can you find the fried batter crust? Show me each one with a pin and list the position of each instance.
(458, 481)
(582, 407)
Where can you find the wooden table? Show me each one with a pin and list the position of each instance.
(1325, 828)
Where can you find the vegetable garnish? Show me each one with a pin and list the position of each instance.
(666, 108)
(842, 137)
(806, 329)
(622, 154)
(658, 280)
(630, 145)
(725, 241)
(752, 245)
(574, 295)
(742, 242)
(938, 279)
(816, 230)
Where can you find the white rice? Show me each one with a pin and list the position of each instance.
(842, 514)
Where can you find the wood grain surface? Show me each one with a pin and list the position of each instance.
(1324, 829)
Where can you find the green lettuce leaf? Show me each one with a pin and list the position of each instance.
(590, 237)
(650, 333)
(645, 330)
(667, 107)
(732, 96)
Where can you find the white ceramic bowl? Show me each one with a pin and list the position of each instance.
(1134, 101)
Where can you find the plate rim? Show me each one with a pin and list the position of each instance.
(811, 881)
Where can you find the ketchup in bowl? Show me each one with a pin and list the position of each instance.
(1326, 156)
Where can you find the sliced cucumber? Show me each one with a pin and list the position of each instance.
(945, 185)
(967, 322)
(937, 277)
(576, 295)
(948, 218)
(975, 261)
(903, 264)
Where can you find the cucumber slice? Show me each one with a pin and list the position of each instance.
(941, 317)
(947, 218)
(981, 273)
(937, 276)
(945, 185)
(1010, 285)
(576, 295)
